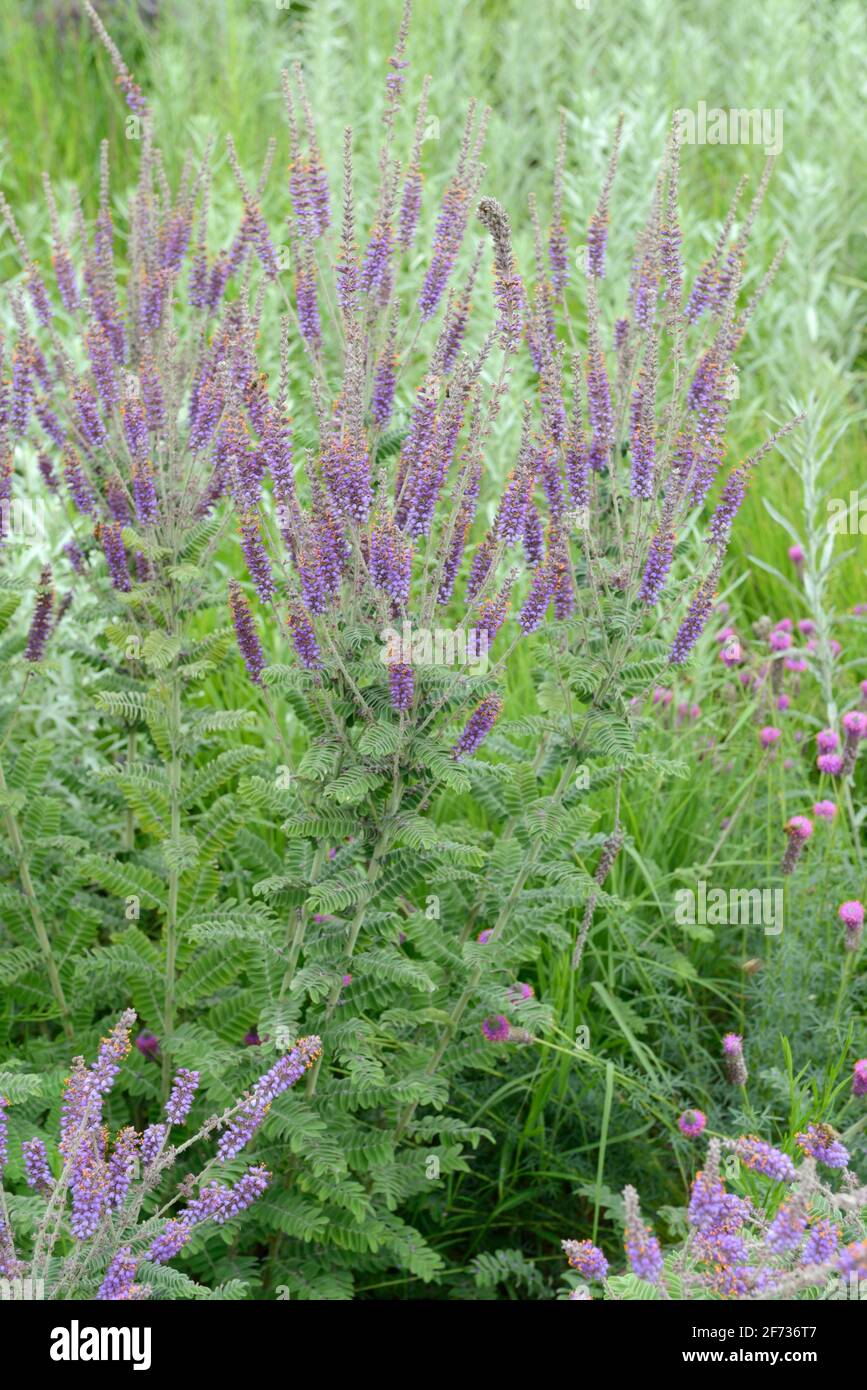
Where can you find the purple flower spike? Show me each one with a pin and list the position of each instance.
(586, 1258)
(41, 623)
(401, 685)
(787, 1228)
(478, 726)
(245, 631)
(822, 1243)
(78, 485)
(36, 1169)
(183, 1092)
(821, 1143)
(641, 1245)
(851, 914)
(304, 639)
(118, 1283)
(760, 1157)
(798, 829)
(115, 556)
(289, 1069)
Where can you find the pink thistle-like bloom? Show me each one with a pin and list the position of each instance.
(519, 992)
(827, 740)
(496, 1029)
(806, 626)
(859, 1078)
(855, 727)
(798, 829)
(800, 826)
(770, 735)
(796, 664)
(830, 763)
(731, 653)
(735, 1064)
(691, 1123)
(796, 555)
(484, 936)
(779, 641)
(851, 914)
(783, 703)
(825, 810)
(148, 1044)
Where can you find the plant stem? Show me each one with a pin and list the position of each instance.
(171, 927)
(531, 858)
(379, 849)
(129, 826)
(19, 854)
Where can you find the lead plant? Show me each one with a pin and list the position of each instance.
(787, 1233)
(624, 460)
(29, 806)
(167, 434)
(344, 909)
(108, 1221)
(138, 377)
(369, 527)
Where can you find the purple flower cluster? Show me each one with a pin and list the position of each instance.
(43, 618)
(183, 1093)
(245, 631)
(760, 1157)
(478, 726)
(821, 1143)
(289, 1069)
(641, 1245)
(586, 1258)
(401, 685)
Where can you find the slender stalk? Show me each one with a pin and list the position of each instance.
(531, 859)
(302, 919)
(171, 924)
(129, 823)
(20, 856)
(385, 837)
